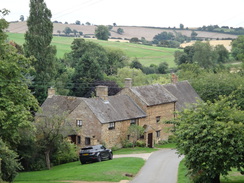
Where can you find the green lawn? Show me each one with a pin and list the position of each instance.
(111, 170)
(147, 55)
(233, 177)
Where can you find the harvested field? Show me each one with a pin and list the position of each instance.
(226, 43)
(129, 31)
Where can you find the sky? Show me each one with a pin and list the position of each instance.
(156, 13)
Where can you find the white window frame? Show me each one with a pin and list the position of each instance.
(79, 123)
(111, 125)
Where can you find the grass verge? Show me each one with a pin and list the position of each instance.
(233, 177)
(112, 171)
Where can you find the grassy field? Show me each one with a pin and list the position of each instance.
(112, 171)
(147, 55)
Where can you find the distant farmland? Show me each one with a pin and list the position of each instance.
(147, 55)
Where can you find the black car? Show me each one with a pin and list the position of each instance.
(95, 153)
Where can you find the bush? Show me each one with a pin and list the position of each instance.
(9, 163)
(126, 144)
(140, 143)
(66, 152)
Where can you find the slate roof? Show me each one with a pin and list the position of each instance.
(153, 94)
(58, 104)
(184, 92)
(116, 108)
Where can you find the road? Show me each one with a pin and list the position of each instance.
(161, 167)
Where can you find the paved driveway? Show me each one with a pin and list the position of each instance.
(161, 167)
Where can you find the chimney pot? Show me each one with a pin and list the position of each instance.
(128, 82)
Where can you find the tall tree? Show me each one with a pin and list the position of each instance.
(90, 61)
(17, 104)
(211, 137)
(204, 55)
(38, 44)
(102, 32)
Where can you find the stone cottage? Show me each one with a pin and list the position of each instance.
(105, 119)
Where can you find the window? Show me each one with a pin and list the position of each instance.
(111, 126)
(133, 121)
(157, 119)
(158, 134)
(79, 123)
(87, 141)
(78, 140)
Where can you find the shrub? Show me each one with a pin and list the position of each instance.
(140, 143)
(66, 152)
(9, 163)
(126, 144)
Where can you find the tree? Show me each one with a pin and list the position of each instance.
(102, 32)
(238, 48)
(204, 55)
(90, 62)
(38, 44)
(193, 35)
(135, 132)
(116, 59)
(163, 36)
(75, 32)
(16, 101)
(59, 32)
(136, 64)
(211, 136)
(181, 26)
(210, 85)
(52, 129)
(77, 22)
(223, 53)
(134, 40)
(9, 164)
(163, 67)
(120, 31)
(67, 31)
(22, 18)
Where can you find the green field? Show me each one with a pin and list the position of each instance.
(147, 55)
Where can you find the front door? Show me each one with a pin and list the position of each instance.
(150, 140)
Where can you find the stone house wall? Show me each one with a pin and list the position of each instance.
(91, 127)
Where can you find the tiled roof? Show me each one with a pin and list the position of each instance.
(153, 94)
(116, 108)
(184, 92)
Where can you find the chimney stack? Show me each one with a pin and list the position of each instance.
(128, 82)
(102, 92)
(174, 78)
(51, 92)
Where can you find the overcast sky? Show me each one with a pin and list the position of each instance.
(161, 13)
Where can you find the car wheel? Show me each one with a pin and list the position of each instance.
(83, 162)
(110, 156)
(99, 159)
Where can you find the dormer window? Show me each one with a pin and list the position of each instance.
(79, 123)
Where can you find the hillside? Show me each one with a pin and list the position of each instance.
(129, 31)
